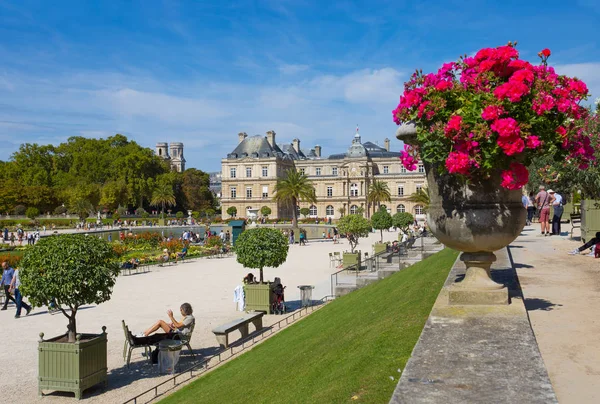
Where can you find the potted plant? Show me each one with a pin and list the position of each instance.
(353, 227)
(476, 124)
(259, 248)
(70, 271)
(381, 220)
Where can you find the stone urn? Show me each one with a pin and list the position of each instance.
(476, 217)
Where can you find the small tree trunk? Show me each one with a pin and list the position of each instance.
(381, 230)
(294, 214)
(261, 275)
(72, 328)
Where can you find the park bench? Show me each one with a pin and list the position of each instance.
(575, 222)
(222, 331)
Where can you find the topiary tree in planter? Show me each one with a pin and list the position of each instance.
(70, 269)
(381, 220)
(403, 220)
(265, 211)
(354, 227)
(232, 211)
(261, 247)
(32, 212)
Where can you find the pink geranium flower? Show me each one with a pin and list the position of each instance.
(458, 163)
(515, 177)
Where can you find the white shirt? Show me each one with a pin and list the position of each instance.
(558, 199)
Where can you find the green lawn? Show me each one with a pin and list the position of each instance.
(349, 348)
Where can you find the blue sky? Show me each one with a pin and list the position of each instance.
(202, 71)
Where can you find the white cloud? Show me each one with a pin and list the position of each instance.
(291, 69)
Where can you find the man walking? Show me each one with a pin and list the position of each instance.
(558, 212)
(543, 200)
(7, 277)
(14, 287)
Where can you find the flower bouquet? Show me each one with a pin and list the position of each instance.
(490, 114)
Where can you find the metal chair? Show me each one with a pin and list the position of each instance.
(130, 345)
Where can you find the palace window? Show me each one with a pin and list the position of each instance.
(353, 209)
(419, 210)
(329, 192)
(313, 210)
(400, 208)
(265, 191)
(248, 172)
(265, 171)
(302, 171)
(329, 210)
(334, 171)
(402, 169)
(233, 191)
(249, 193)
(386, 169)
(421, 168)
(400, 190)
(318, 171)
(232, 172)
(419, 187)
(354, 190)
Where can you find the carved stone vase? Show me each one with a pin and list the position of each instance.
(476, 217)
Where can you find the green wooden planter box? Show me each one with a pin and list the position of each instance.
(72, 367)
(259, 297)
(590, 218)
(349, 259)
(379, 247)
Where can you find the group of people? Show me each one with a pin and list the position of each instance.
(539, 204)
(10, 238)
(11, 282)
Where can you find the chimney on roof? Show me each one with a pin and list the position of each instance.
(271, 138)
(386, 144)
(296, 145)
(242, 136)
(318, 150)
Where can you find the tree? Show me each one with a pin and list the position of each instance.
(420, 197)
(82, 208)
(354, 227)
(403, 220)
(265, 211)
(342, 211)
(232, 211)
(379, 192)
(295, 187)
(261, 247)
(195, 188)
(32, 213)
(179, 215)
(163, 196)
(304, 212)
(381, 220)
(70, 269)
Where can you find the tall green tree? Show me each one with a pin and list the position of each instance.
(71, 269)
(381, 220)
(163, 196)
(379, 192)
(260, 248)
(82, 208)
(354, 227)
(292, 189)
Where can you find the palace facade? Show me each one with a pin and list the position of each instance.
(251, 170)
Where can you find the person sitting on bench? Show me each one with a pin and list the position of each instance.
(593, 244)
(170, 329)
(164, 257)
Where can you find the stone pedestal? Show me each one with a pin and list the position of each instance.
(477, 287)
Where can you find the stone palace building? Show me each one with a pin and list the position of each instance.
(251, 170)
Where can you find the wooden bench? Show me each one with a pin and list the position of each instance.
(575, 220)
(222, 331)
